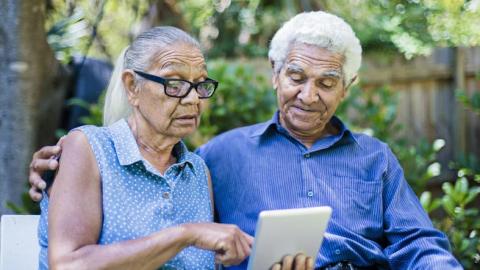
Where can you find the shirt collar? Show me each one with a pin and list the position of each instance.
(127, 149)
(344, 135)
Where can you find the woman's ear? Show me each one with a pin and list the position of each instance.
(128, 78)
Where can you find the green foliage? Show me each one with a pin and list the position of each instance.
(27, 205)
(65, 34)
(412, 27)
(114, 21)
(471, 102)
(95, 110)
(460, 218)
(244, 97)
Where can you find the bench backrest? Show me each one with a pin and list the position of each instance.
(19, 242)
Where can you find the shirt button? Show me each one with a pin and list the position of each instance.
(337, 251)
(166, 195)
(310, 193)
(307, 155)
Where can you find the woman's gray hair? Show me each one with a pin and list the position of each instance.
(320, 29)
(138, 56)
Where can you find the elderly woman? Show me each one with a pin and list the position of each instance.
(130, 195)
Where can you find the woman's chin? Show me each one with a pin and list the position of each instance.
(184, 131)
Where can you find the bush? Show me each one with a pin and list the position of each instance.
(461, 219)
(244, 97)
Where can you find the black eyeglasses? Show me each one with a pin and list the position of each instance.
(181, 88)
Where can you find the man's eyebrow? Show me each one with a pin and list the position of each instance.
(294, 68)
(332, 74)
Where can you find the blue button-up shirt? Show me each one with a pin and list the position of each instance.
(377, 218)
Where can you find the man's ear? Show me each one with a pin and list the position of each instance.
(128, 78)
(351, 82)
(275, 80)
(274, 75)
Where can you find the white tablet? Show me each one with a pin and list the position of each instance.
(288, 232)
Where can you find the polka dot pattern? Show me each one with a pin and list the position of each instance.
(137, 200)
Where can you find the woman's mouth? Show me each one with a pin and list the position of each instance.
(187, 119)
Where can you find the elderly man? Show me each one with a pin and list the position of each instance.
(305, 157)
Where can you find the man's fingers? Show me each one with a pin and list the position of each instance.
(276, 266)
(37, 182)
(34, 194)
(287, 262)
(300, 262)
(41, 165)
(47, 152)
(310, 263)
(60, 141)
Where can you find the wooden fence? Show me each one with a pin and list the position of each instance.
(428, 107)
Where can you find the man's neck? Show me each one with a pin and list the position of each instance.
(309, 139)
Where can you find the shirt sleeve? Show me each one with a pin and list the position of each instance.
(413, 242)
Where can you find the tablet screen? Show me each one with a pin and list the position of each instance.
(288, 232)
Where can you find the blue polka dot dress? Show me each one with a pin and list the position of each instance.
(137, 200)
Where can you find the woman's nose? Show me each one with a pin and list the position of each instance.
(192, 97)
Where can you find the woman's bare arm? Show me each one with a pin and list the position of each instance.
(75, 219)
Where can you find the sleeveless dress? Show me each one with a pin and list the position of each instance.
(137, 200)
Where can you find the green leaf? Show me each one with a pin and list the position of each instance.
(78, 102)
(425, 199)
(448, 205)
(447, 188)
(472, 194)
(15, 208)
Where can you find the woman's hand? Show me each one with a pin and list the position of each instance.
(230, 244)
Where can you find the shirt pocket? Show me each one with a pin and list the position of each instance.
(358, 204)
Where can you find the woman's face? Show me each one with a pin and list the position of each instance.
(171, 116)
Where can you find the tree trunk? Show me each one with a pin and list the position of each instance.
(32, 85)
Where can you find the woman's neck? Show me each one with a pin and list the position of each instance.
(155, 147)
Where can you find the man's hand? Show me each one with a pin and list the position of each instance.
(299, 262)
(231, 245)
(42, 161)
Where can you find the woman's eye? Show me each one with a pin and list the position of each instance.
(175, 84)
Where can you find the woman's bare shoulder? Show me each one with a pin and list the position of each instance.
(77, 154)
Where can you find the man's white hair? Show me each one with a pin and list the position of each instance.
(321, 29)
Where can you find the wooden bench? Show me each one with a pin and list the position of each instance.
(19, 242)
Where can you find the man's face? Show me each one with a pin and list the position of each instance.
(309, 88)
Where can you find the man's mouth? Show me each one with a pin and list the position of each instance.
(308, 110)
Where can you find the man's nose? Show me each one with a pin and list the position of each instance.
(309, 93)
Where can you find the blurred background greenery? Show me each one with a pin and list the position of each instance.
(235, 35)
